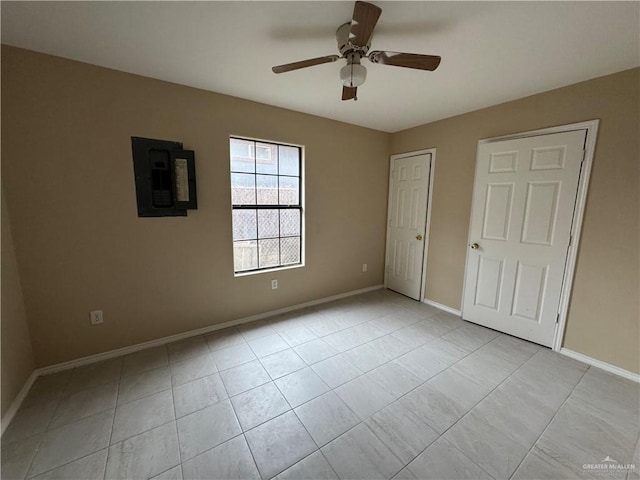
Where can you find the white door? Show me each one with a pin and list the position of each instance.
(407, 223)
(523, 203)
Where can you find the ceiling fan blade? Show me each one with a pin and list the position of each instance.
(305, 63)
(349, 92)
(365, 17)
(407, 60)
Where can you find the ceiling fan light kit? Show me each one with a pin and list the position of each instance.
(353, 74)
(354, 41)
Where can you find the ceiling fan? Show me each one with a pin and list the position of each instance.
(354, 41)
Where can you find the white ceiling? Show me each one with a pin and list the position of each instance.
(492, 51)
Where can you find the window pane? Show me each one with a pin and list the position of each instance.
(289, 250)
(266, 183)
(268, 223)
(289, 223)
(242, 159)
(269, 253)
(266, 158)
(289, 191)
(244, 225)
(289, 158)
(245, 255)
(243, 190)
(267, 190)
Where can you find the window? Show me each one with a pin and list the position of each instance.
(266, 197)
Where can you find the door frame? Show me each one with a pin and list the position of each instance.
(591, 126)
(432, 165)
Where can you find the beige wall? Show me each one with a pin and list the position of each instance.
(66, 149)
(80, 246)
(603, 315)
(16, 355)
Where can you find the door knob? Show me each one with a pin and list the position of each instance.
(418, 237)
(474, 246)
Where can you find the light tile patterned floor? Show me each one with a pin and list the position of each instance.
(375, 386)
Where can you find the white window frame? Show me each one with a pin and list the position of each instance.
(301, 176)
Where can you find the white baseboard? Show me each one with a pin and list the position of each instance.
(6, 420)
(192, 333)
(15, 405)
(450, 310)
(600, 364)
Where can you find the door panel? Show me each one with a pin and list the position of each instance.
(523, 204)
(405, 249)
(540, 212)
(528, 291)
(497, 211)
(489, 282)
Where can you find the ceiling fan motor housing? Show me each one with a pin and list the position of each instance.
(344, 42)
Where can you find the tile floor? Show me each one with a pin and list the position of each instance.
(375, 386)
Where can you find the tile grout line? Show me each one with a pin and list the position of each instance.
(175, 415)
(423, 383)
(388, 361)
(113, 421)
(59, 401)
(555, 414)
(141, 433)
(175, 425)
(328, 462)
(63, 425)
(62, 396)
(108, 447)
(363, 374)
(490, 392)
(46, 429)
(331, 389)
(331, 356)
(476, 404)
(147, 395)
(146, 372)
(494, 388)
(30, 466)
(292, 409)
(165, 471)
(242, 432)
(78, 419)
(70, 462)
(359, 323)
(377, 338)
(433, 376)
(245, 341)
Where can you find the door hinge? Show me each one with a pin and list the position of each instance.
(570, 240)
(557, 318)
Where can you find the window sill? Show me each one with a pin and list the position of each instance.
(268, 270)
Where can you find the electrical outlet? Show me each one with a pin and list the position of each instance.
(96, 317)
(364, 267)
(274, 284)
